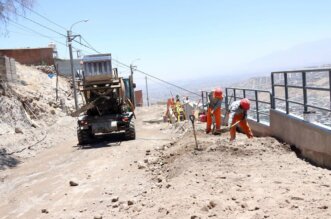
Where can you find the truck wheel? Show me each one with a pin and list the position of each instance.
(130, 132)
(84, 136)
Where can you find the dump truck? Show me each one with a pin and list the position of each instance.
(108, 100)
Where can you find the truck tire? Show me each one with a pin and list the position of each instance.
(130, 132)
(84, 136)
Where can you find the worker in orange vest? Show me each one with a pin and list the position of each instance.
(214, 108)
(238, 114)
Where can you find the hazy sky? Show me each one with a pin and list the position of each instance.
(179, 38)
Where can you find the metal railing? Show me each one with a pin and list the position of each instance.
(260, 106)
(204, 97)
(205, 100)
(304, 84)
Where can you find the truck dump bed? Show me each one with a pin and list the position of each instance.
(97, 68)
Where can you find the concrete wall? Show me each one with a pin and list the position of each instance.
(259, 129)
(30, 56)
(7, 69)
(64, 66)
(313, 141)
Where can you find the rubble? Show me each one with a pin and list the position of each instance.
(72, 183)
(115, 199)
(46, 69)
(28, 109)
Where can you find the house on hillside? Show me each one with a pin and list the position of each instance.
(31, 56)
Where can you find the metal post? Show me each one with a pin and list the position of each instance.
(286, 93)
(147, 91)
(257, 107)
(131, 86)
(226, 99)
(272, 97)
(69, 37)
(304, 86)
(244, 93)
(234, 95)
(330, 87)
(202, 99)
(57, 81)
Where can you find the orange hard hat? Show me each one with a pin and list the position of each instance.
(245, 104)
(218, 93)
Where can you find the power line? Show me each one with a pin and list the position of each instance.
(92, 48)
(24, 28)
(40, 15)
(46, 26)
(36, 32)
(35, 22)
(164, 81)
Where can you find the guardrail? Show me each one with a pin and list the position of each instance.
(260, 106)
(300, 88)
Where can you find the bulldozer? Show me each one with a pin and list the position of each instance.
(108, 100)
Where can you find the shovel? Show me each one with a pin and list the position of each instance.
(213, 121)
(192, 118)
(226, 129)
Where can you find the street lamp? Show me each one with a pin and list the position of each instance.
(77, 23)
(70, 38)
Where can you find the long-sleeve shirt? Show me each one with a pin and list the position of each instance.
(214, 103)
(235, 109)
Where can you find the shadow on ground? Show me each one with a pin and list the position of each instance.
(100, 141)
(6, 160)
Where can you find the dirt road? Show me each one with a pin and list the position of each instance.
(160, 175)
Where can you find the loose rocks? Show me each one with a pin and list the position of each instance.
(72, 183)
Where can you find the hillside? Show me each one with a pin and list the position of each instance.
(30, 117)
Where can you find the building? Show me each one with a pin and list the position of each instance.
(30, 56)
(138, 94)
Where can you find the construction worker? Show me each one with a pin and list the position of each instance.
(214, 109)
(179, 109)
(238, 115)
(177, 99)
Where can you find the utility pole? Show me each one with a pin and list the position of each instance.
(57, 81)
(147, 91)
(131, 68)
(70, 38)
(131, 85)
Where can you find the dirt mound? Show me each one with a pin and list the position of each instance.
(29, 109)
(239, 179)
(12, 114)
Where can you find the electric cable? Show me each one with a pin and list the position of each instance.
(92, 48)
(24, 28)
(159, 79)
(31, 30)
(40, 15)
(35, 22)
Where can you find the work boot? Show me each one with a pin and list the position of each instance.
(208, 131)
(217, 132)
